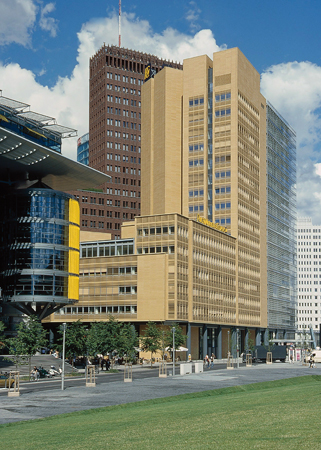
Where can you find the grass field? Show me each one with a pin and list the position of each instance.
(275, 415)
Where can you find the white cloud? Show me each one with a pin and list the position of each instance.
(17, 19)
(68, 100)
(294, 89)
(48, 23)
(192, 15)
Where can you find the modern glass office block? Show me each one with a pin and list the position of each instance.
(281, 222)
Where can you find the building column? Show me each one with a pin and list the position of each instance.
(233, 342)
(189, 340)
(204, 341)
(257, 336)
(266, 336)
(246, 339)
(219, 343)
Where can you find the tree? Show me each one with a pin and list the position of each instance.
(103, 337)
(30, 338)
(127, 341)
(180, 338)
(151, 339)
(75, 340)
(250, 345)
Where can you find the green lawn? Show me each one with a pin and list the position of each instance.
(282, 414)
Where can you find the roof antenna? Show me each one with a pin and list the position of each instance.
(119, 25)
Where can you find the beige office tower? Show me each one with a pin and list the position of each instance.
(204, 156)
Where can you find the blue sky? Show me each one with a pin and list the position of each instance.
(45, 48)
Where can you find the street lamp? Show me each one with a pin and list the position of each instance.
(173, 330)
(63, 357)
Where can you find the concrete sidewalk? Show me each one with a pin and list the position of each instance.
(39, 404)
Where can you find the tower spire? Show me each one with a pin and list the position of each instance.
(119, 24)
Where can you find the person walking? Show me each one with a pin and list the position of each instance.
(212, 361)
(35, 374)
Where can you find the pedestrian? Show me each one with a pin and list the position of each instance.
(107, 364)
(212, 360)
(206, 361)
(35, 374)
(102, 362)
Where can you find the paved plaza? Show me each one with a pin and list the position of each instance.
(38, 403)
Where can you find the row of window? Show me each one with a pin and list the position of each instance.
(110, 248)
(223, 221)
(196, 101)
(110, 271)
(308, 319)
(224, 205)
(222, 159)
(111, 168)
(159, 249)
(111, 98)
(156, 230)
(222, 190)
(196, 193)
(196, 148)
(196, 208)
(124, 309)
(118, 89)
(196, 162)
(308, 304)
(93, 224)
(110, 109)
(223, 174)
(133, 137)
(307, 290)
(222, 97)
(127, 290)
(223, 112)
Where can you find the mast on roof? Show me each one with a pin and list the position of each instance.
(119, 24)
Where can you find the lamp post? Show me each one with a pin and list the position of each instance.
(173, 330)
(63, 357)
(237, 348)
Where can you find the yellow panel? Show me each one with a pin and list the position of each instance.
(73, 265)
(74, 211)
(73, 287)
(74, 236)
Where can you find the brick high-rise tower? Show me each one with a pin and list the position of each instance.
(116, 78)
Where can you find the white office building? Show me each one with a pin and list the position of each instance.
(308, 277)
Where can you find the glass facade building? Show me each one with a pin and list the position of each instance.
(83, 149)
(39, 247)
(281, 224)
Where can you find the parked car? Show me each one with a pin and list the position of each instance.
(4, 381)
